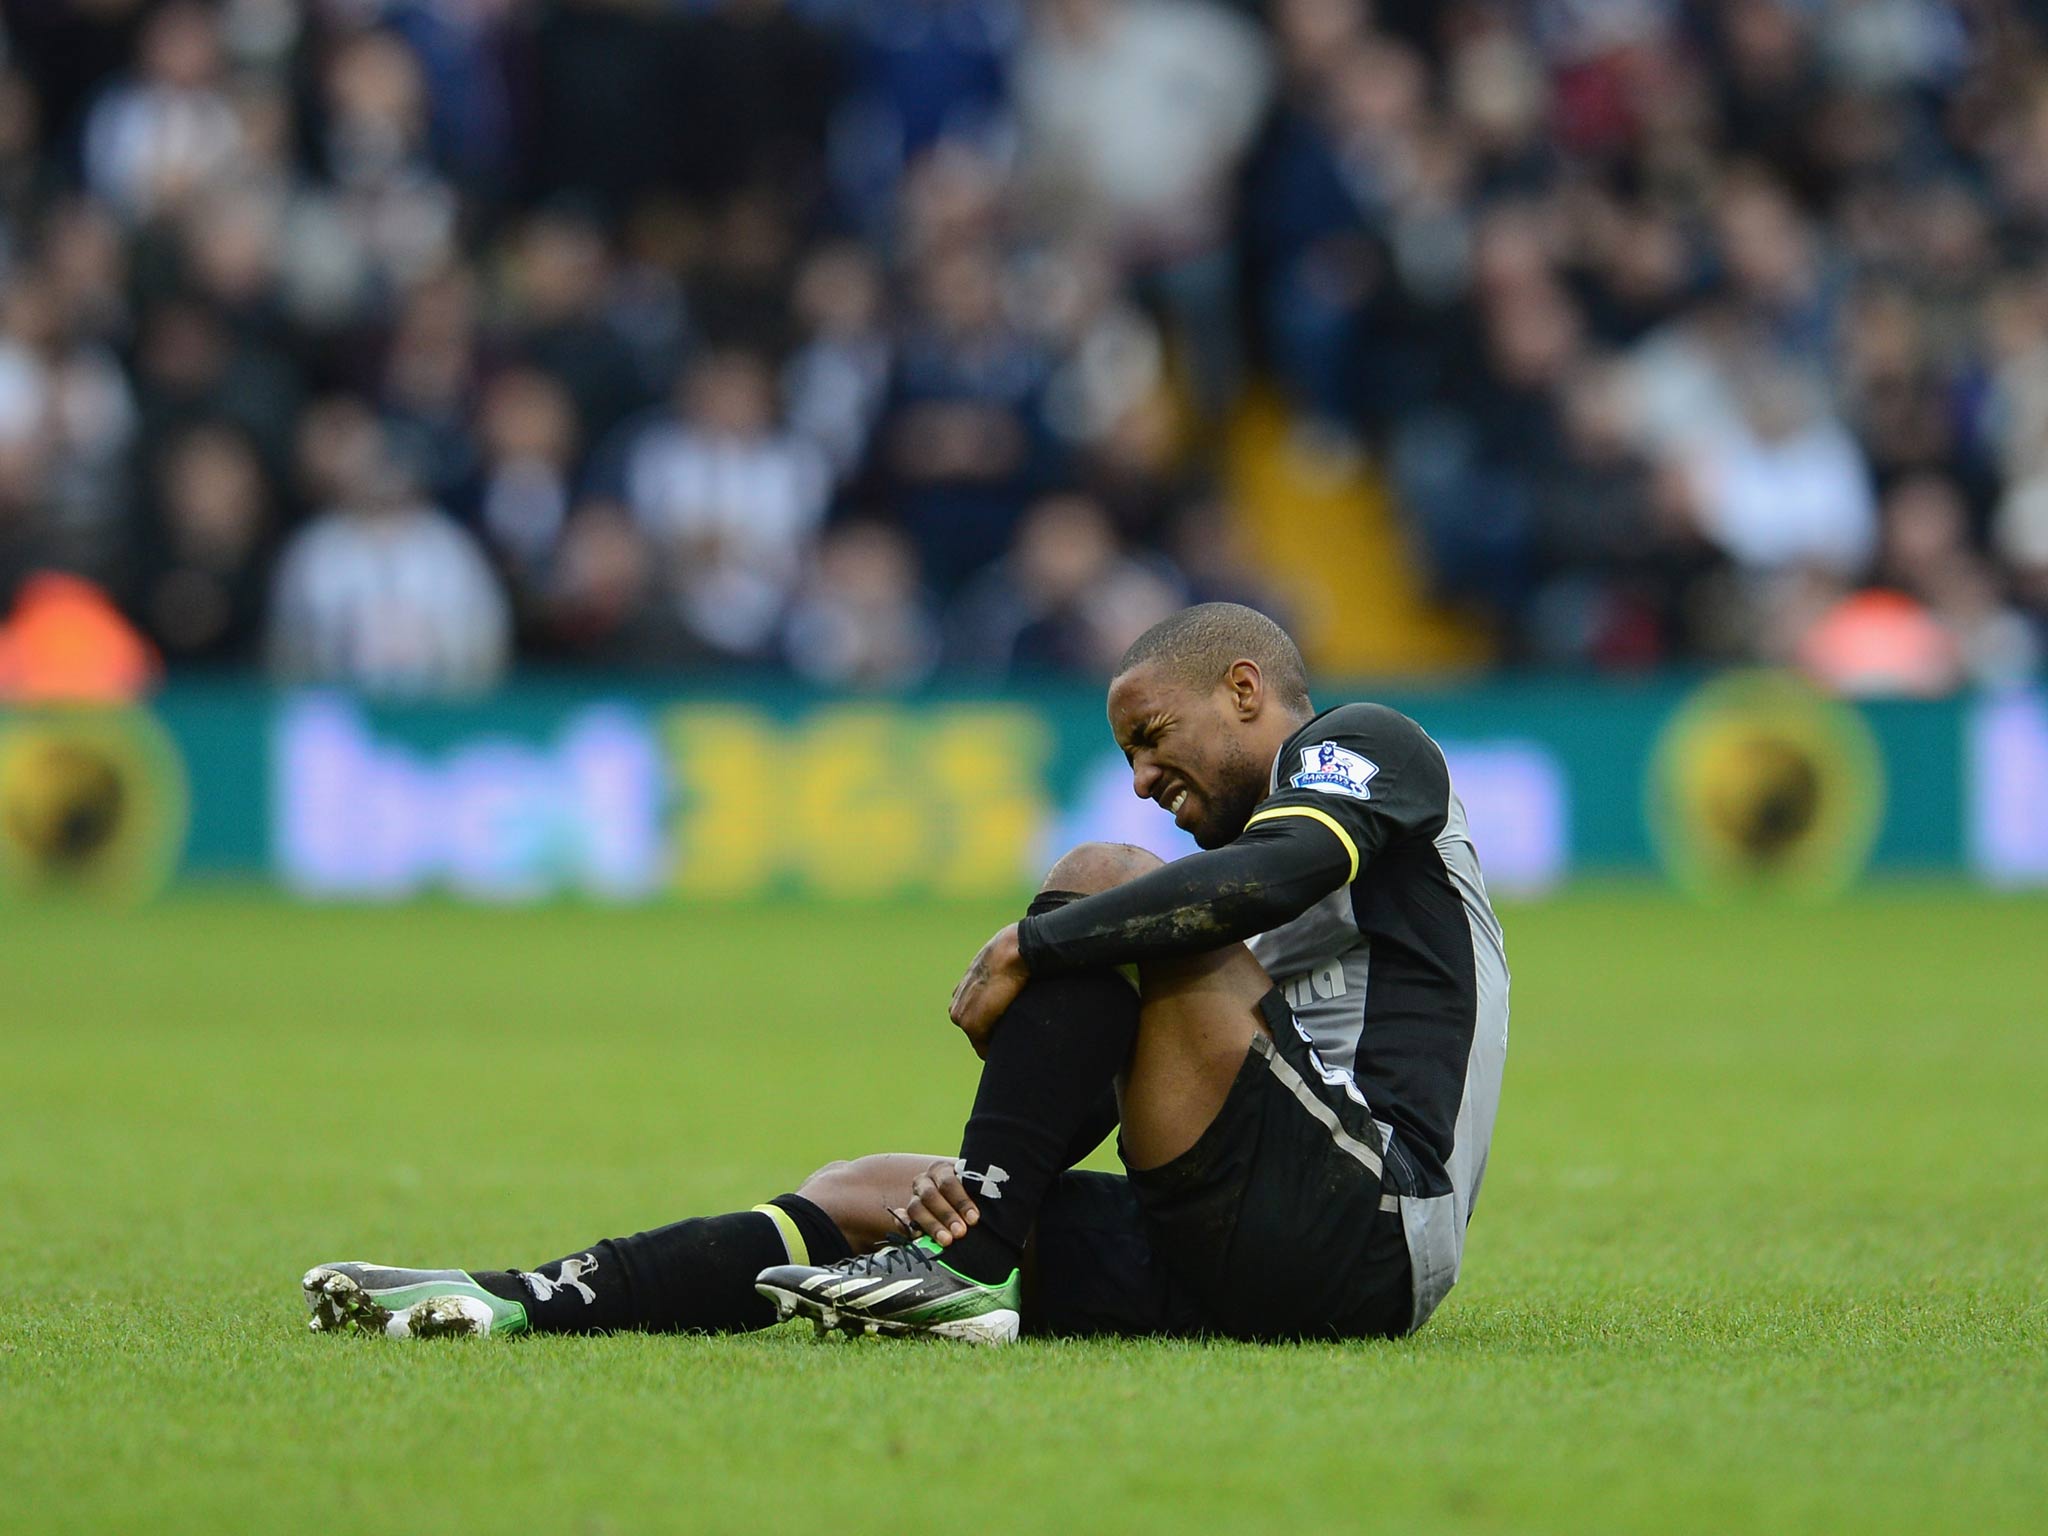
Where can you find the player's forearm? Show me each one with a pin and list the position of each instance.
(1194, 904)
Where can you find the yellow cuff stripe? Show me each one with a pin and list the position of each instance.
(792, 1240)
(1313, 815)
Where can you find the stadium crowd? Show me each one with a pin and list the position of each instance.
(386, 341)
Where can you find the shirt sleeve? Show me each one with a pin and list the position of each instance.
(1338, 805)
(1367, 775)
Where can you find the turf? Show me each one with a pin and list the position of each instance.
(1763, 1245)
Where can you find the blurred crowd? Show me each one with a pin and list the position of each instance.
(393, 341)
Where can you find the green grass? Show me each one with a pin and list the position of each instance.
(1764, 1246)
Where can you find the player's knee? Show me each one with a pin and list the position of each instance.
(1093, 867)
(858, 1196)
(823, 1179)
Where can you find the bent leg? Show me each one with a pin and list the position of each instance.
(1064, 1043)
(1196, 1020)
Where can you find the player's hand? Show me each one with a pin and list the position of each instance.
(989, 987)
(939, 1206)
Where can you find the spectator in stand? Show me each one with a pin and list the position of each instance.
(2021, 537)
(67, 404)
(920, 72)
(385, 217)
(1613, 562)
(1775, 268)
(838, 380)
(860, 619)
(29, 181)
(731, 500)
(602, 605)
(1786, 487)
(1470, 468)
(964, 441)
(211, 539)
(1106, 391)
(86, 263)
(561, 272)
(1210, 551)
(381, 590)
(1067, 598)
(1135, 116)
(1928, 553)
(1321, 206)
(190, 367)
(469, 60)
(156, 137)
(429, 386)
(527, 433)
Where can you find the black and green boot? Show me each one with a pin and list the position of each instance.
(903, 1289)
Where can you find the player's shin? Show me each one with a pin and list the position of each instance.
(694, 1276)
(1050, 1062)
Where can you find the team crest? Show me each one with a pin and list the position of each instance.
(1330, 769)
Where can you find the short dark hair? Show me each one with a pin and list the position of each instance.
(1198, 645)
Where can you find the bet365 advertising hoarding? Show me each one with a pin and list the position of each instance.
(1734, 785)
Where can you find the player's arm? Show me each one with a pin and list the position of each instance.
(1386, 781)
(1271, 874)
(1367, 777)
(1277, 870)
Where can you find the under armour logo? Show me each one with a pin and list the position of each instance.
(570, 1278)
(988, 1181)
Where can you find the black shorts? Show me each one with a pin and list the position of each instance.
(1270, 1226)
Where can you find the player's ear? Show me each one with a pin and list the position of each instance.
(1247, 688)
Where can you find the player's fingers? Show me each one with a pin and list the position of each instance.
(973, 1013)
(947, 1178)
(943, 1204)
(933, 1217)
(945, 1192)
(921, 1218)
(979, 1007)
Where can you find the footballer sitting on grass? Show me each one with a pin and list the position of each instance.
(1298, 1033)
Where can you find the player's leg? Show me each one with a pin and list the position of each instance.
(691, 1276)
(1061, 1045)
(1173, 1057)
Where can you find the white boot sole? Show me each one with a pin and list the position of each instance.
(340, 1305)
(999, 1327)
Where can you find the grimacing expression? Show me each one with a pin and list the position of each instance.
(1189, 752)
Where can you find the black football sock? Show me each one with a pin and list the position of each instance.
(1050, 1061)
(694, 1276)
(1101, 1119)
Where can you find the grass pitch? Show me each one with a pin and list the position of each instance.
(1764, 1245)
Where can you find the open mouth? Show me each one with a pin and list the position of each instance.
(1179, 799)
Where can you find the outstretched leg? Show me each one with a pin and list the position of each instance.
(691, 1276)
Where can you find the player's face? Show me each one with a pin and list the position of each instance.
(1190, 752)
